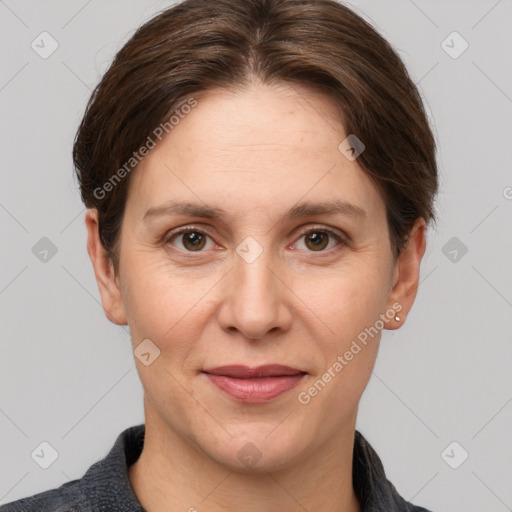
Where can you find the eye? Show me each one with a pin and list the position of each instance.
(191, 238)
(195, 240)
(317, 239)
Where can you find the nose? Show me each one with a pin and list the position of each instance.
(256, 297)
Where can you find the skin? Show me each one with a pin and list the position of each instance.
(255, 154)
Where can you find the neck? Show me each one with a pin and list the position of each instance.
(173, 473)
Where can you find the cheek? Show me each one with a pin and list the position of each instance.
(167, 307)
(158, 295)
(346, 300)
(347, 304)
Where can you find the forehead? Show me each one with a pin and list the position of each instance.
(260, 148)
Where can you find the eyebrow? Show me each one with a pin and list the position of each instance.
(305, 209)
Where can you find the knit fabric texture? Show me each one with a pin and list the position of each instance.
(106, 486)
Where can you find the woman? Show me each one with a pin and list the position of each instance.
(259, 176)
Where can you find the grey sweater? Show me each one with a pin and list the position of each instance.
(106, 486)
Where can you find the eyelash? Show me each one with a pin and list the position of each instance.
(339, 238)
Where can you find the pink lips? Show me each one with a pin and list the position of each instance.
(255, 385)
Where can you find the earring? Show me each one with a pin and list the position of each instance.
(397, 318)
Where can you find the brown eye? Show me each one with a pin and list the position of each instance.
(192, 240)
(317, 240)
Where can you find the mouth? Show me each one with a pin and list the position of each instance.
(254, 385)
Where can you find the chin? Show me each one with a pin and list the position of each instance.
(256, 451)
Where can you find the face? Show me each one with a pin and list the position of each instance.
(256, 279)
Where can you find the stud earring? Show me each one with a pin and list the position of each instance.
(397, 318)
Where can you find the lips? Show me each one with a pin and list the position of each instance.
(254, 385)
(245, 372)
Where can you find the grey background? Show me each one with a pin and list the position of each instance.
(67, 375)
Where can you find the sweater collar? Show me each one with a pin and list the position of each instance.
(108, 478)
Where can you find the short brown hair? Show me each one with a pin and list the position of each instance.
(199, 45)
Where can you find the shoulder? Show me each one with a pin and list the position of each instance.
(104, 486)
(66, 498)
(375, 491)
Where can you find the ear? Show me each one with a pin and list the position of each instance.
(108, 283)
(407, 272)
